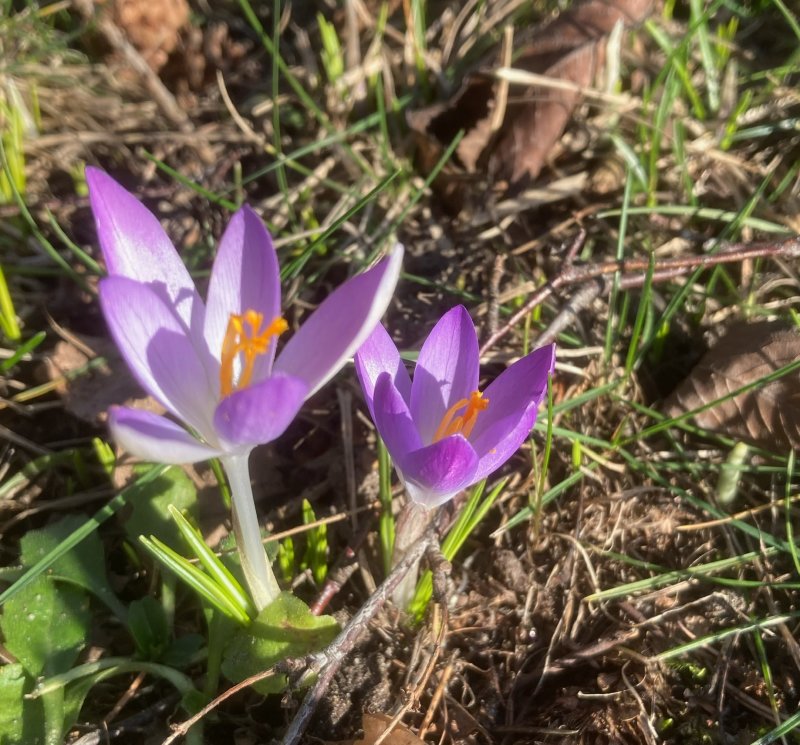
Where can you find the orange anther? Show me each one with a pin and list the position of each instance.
(463, 424)
(244, 336)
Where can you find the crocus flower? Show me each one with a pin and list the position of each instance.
(213, 365)
(444, 434)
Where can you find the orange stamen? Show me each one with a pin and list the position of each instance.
(463, 424)
(244, 336)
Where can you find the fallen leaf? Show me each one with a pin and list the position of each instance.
(374, 726)
(768, 415)
(570, 49)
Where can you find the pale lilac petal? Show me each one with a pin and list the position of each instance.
(437, 472)
(446, 371)
(135, 246)
(393, 420)
(378, 354)
(341, 324)
(155, 438)
(260, 412)
(244, 277)
(156, 346)
(514, 399)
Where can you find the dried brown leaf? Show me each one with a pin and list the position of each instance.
(571, 48)
(767, 415)
(375, 725)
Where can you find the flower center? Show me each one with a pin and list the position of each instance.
(244, 336)
(464, 423)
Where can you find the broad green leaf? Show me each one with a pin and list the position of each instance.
(149, 627)
(87, 528)
(150, 505)
(183, 651)
(83, 566)
(12, 686)
(285, 628)
(45, 626)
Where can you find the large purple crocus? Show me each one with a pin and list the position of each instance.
(213, 365)
(444, 434)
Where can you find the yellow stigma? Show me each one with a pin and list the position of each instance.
(463, 424)
(244, 336)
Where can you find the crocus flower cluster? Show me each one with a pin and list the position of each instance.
(442, 432)
(213, 365)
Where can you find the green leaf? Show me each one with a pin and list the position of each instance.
(316, 556)
(183, 651)
(83, 566)
(286, 559)
(285, 628)
(87, 528)
(12, 686)
(45, 627)
(151, 501)
(198, 580)
(149, 627)
(214, 567)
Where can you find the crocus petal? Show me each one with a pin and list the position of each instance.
(155, 438)
(341, 324)
(244, 277)
(393, 420)
(135, 245)
(158, 350)
(514, 398)
(260, 412)
(446, 371)
(436, 473)
(378, 354)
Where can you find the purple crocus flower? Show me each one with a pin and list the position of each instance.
(213, 365)
(444, 434)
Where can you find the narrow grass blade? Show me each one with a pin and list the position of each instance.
(8, 315)
(22, 350)
(705, 641)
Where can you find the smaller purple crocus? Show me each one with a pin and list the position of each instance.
(442, 432)
(213, 364)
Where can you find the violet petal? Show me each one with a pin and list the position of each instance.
(261, 412)
(155, 438)
(376, 355)
(158, 350)
(514, 399)
(135, 246)
(393, 420)
(446, 371)
(437, 472)
(340, 324)
(245, 276)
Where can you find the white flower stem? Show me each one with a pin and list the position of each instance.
(257, 570)
(412, 522)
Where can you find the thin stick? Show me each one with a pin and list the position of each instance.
(634, 272)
